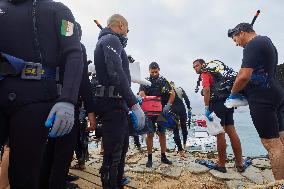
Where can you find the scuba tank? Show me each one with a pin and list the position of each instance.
(223, 77)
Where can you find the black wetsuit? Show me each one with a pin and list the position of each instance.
(112, 69)
(179, 109)
(59, 151)
(25, 112)
(264, 93)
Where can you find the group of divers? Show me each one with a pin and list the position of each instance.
(46, 96)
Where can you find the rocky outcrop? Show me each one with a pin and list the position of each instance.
(184, 172)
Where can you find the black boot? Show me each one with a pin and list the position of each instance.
(165, 160)
(109, 177)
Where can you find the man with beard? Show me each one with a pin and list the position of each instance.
(264, 93)
(159, 87)
(114, 98)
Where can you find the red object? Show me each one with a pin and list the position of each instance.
(207, 79)
(151, 105)
(201, 123)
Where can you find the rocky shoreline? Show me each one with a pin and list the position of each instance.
(185, 173)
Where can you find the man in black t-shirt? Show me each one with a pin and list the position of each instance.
(264, 94)
(162, 88)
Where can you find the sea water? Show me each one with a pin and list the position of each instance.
(250, 141)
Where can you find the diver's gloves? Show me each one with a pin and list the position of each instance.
(208, 113)
(139, 98)
(60, 119)
(167, 108)
(236, 100)
(138, 117)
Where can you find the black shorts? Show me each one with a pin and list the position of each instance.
(154, 127)
(267, 119)
(225, 114)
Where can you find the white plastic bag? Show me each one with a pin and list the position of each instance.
(234, 103)
(214, 127)
(135, 74)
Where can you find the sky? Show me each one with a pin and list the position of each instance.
(176, 32)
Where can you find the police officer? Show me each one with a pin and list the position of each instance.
(59, 151)
(43, 39)
(179, 109)
(263, 91)
(162, 88)
(114, 98)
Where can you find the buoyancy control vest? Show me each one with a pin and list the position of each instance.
(223, 80)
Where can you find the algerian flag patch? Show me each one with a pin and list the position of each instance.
(67, 28)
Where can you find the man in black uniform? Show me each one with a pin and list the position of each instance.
(114, 98)
(59, 151)
(264, 93)
(179, 109)
(45, 38)
(162, 88)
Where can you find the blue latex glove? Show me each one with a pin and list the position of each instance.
(189, 113)
(60, 119)
(167, 108)
(138, 117)
(140, 99)
(208, 113)
(236, 96)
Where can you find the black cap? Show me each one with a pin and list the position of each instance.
(246, 27)
(154, 65)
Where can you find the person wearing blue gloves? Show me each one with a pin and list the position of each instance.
(114, 99)
(44, 90)
(216, 105)
(59, 150)
(263, 91)
(160, 87)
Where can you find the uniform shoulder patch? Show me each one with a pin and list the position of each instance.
(67, 28)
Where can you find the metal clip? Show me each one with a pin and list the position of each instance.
(100, 90)
(112, 93)
(32, 71)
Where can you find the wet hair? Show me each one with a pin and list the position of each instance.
(201, 61)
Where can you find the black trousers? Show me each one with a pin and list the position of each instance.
(27, 139)
(137, 141)
(181, 112)
(115, 141)
(81, 148)
(57, 159)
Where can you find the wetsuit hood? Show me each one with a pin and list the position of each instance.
(122, 38)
